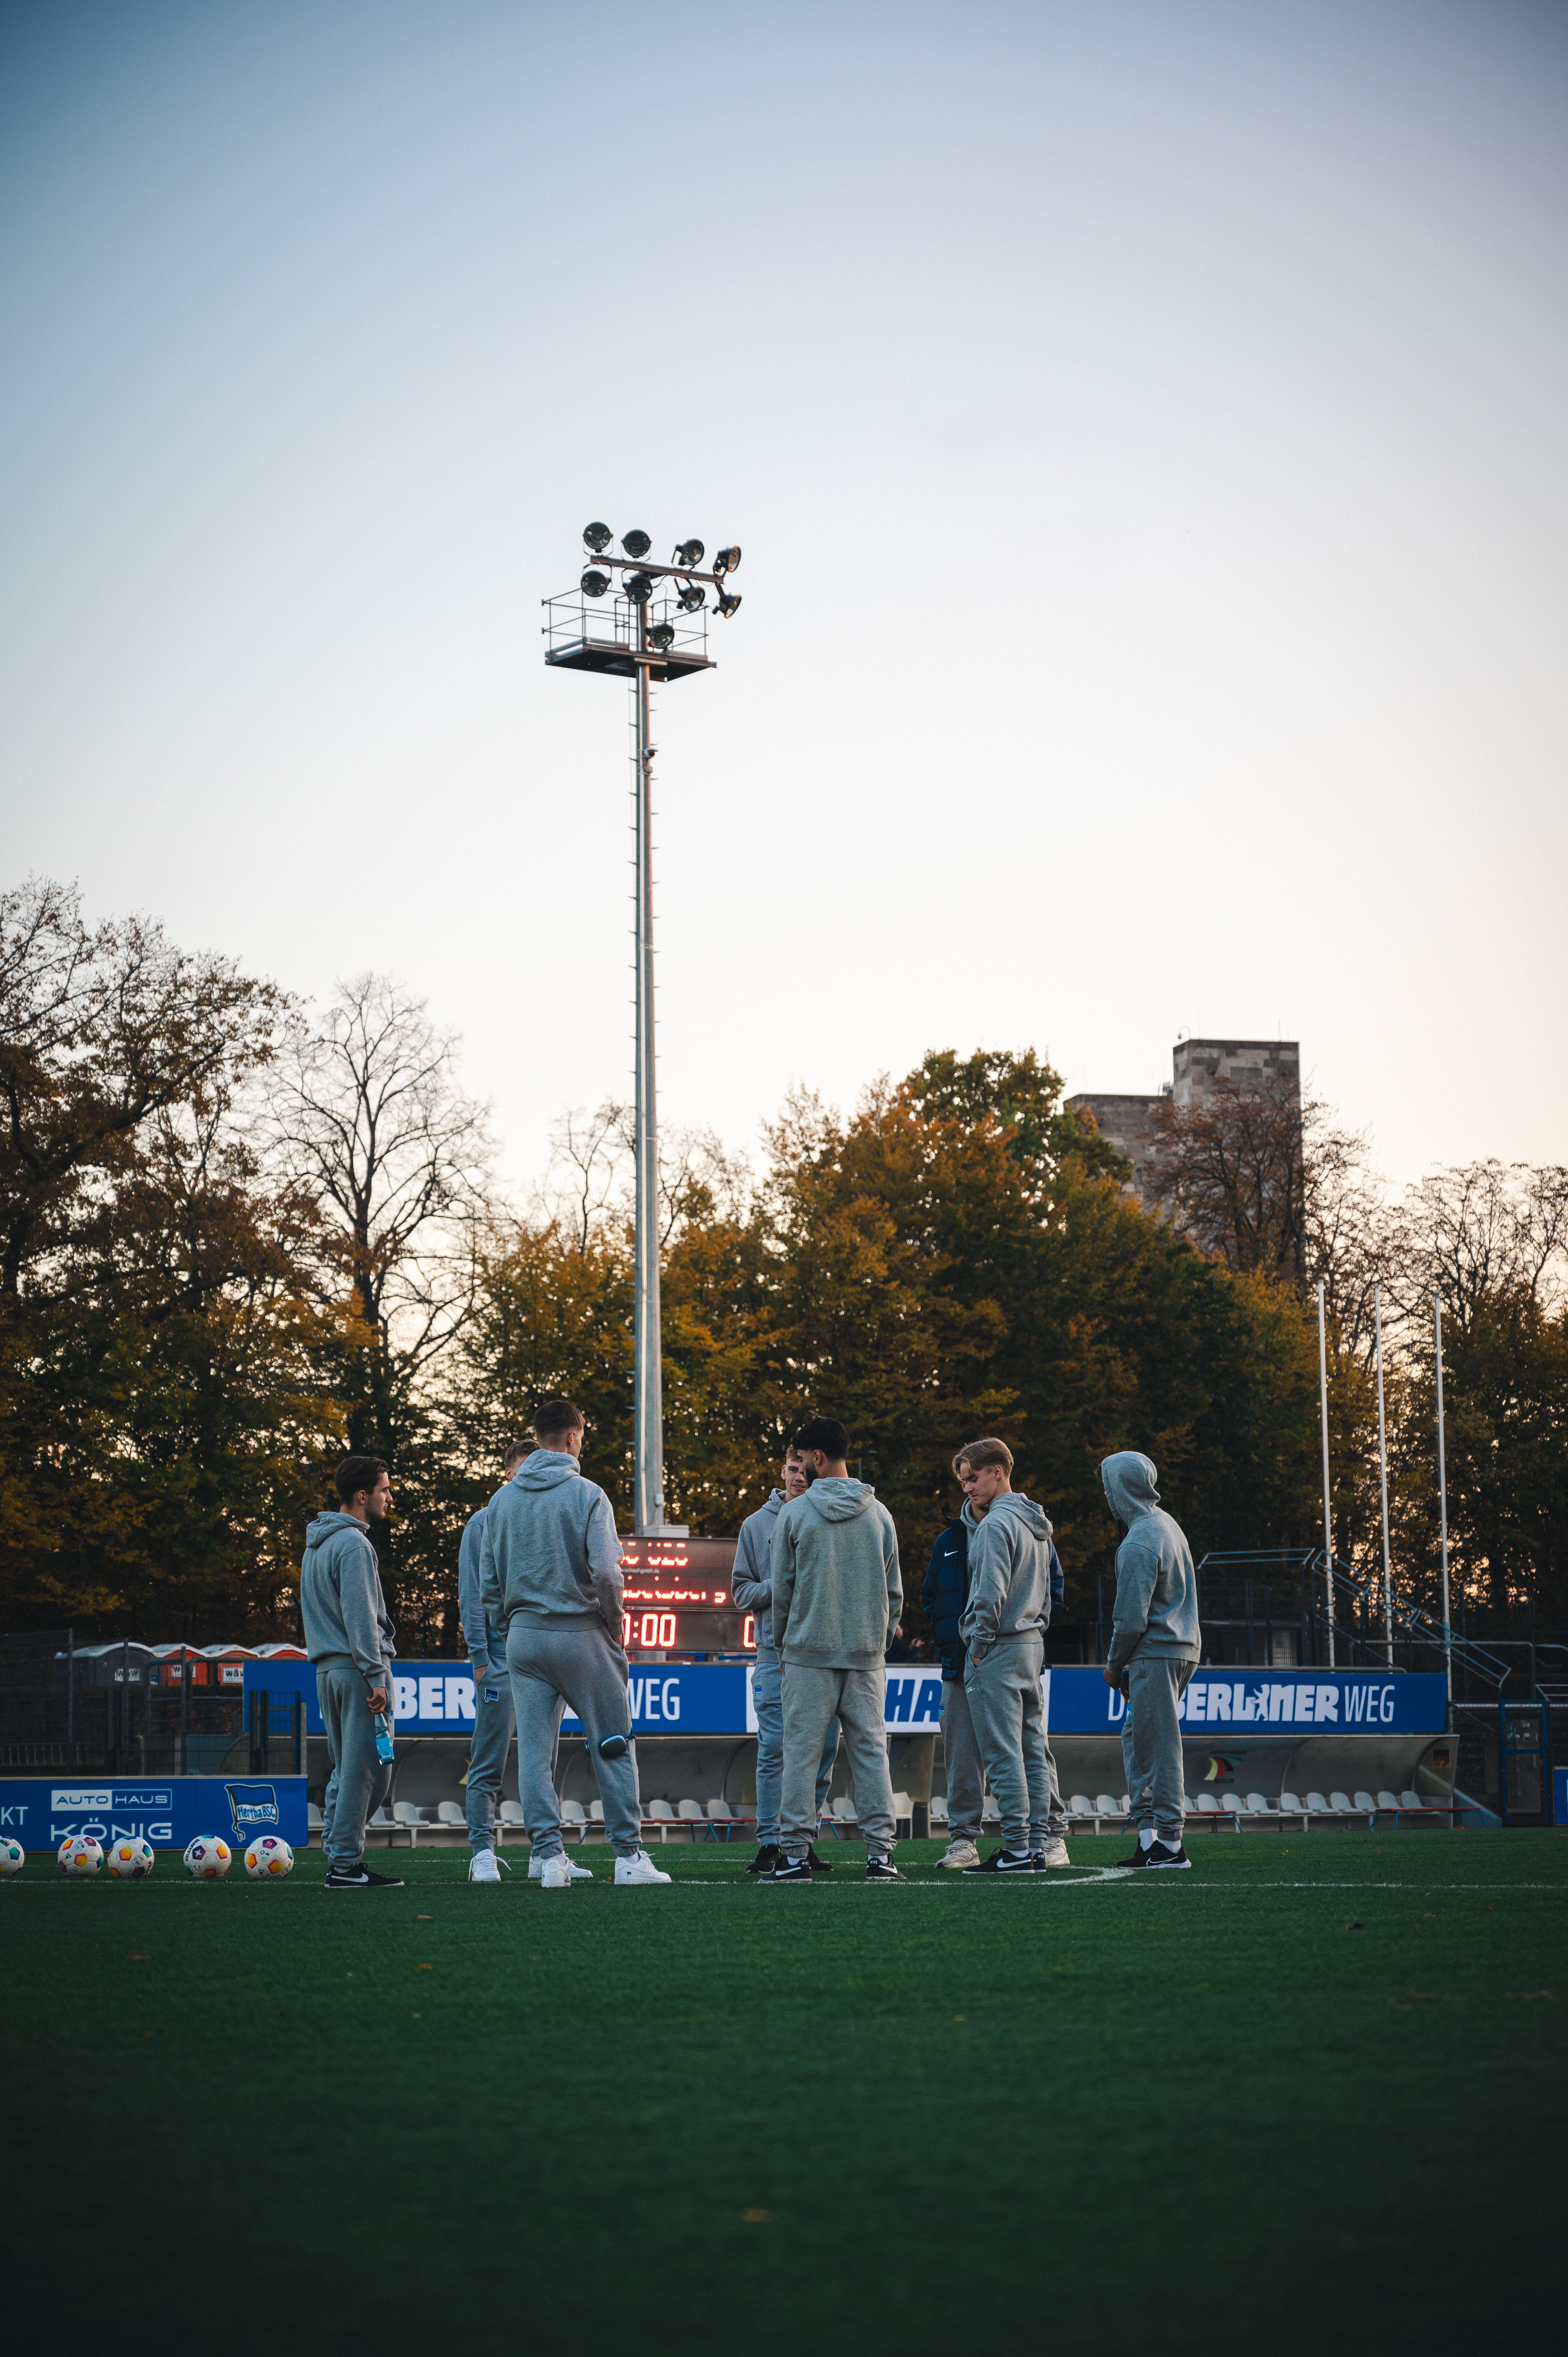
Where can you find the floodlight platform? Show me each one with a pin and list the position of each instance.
(615, 656)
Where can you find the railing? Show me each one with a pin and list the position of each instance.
(1358, 1624)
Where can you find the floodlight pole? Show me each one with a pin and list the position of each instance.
(1383, 1480)
(647, 1390)
(1443, 1495)
(1328, 1494)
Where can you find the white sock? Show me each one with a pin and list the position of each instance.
(1146, 1838)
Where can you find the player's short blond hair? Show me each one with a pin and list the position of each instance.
(978, 1454)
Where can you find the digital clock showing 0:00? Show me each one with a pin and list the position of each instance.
(677, 1598)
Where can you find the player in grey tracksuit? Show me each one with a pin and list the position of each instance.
(550, 1574)
(1003, 1627)
(1155, 1648)
(752, 1591)
(350, 1636)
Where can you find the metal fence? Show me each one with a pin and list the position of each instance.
(60, 1710)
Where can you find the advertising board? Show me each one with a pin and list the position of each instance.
(167, 1811)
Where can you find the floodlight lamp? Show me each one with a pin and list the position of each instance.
(691, 597)
(595, 583)
(728, 605)
(663, 636)
(636, 543)
(727, 561)
(597, 537)
(638, 586)
(688, 552)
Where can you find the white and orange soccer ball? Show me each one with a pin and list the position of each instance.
(208, 1857)
(269, 1855)
(131, 1859)
(13, 1856)
(81, 1854)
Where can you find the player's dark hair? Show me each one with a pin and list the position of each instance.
(356, 1473)
(826, 1433)
(978, 1454)
(516, 1450)
(555, 1417)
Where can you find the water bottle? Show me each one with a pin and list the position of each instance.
(384, 1750)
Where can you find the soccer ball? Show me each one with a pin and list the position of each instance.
(208, 1857)
(13, 1856)
(130, 1859)
(81, 1854)
(268, 1855)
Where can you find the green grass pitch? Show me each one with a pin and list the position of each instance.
(1303, 2098)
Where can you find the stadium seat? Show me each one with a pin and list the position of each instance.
(595, 1812)
(1318, 1805)
(1387, 1801)
(721, 1814)
(1411, 1801)
(1125, 1803)
(1079, 1806)
(1340, 1805)
(842, 1809)
(939, 1808)
(903, 1816)
(573, 1814)
(1207, 1805)
(1256, 1806)
(1365, 1802)
(314, 1820)
(660, 1814)
(410, 1820)
(1104, 1806)
(689, 1812)
(449, 1813)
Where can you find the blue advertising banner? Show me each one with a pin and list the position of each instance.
(715, 1698)
(167, 1811)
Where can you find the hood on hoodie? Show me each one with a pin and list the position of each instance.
(1128, 1479)
(838, 1497)
(325, 1525)
(1033, 1518)
(546, 1468)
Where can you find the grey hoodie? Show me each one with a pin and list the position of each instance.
(749, 1583)
(550, 1556)
(340, 1599)
(833, 1568)
(1009, 1573)
(1156, 1586)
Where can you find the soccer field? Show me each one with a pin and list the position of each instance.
(1304, 2096)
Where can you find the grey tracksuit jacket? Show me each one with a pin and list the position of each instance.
(479, 1637)
(340, 1599)
(750, 1587)
(1009, 1574)
(834, 1569)
(550, 1556)
(1156, 1586)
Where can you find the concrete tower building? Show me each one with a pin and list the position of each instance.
(1198, 1068)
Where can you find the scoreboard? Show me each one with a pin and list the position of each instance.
(677, 1598)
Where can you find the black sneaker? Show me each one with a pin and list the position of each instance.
(882, 1869)
(768, 1856)
(1158, 1854)
(1005, 1861)
(360, 1877)
(818, 1865)
(790, 1869)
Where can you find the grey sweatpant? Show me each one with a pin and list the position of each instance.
(966, 1780)
(358, 1780)
(768, 1695)
(493, 1717)
(582, 1667)
(1005, 1700)
(1154, 1685)
(1137, 1799)
(858, 1699)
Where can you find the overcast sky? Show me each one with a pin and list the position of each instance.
(1144, 426)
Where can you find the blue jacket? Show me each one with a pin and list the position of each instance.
(944, 1592)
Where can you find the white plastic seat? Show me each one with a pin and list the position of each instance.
(405, 1813)
(1411, 1801)
(511, 1813)
(1387, 1801)
(1104, 1806)
(314, 1819)
(573, 1814)
(382, 1820)
(1208, 1806)
(1125, 1803)
(449, 1813)
(1079, 1806)
(939, 1808)
(1318, 1805)
(1340, 1805)
(658, 1809)
(595, 1812)
(1291, 1805)
(1364, 1801)
(1256, 1806)
(843, 1810)
(721, 1813)
(903, 1809)
(688, 1808)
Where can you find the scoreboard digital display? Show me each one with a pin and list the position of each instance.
(677, 1598)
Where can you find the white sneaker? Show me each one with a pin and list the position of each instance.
(577, 1873)
(960, 1854)
(555, 1874)
(1052, 1852)
(639, 1867)
(482, 1867)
